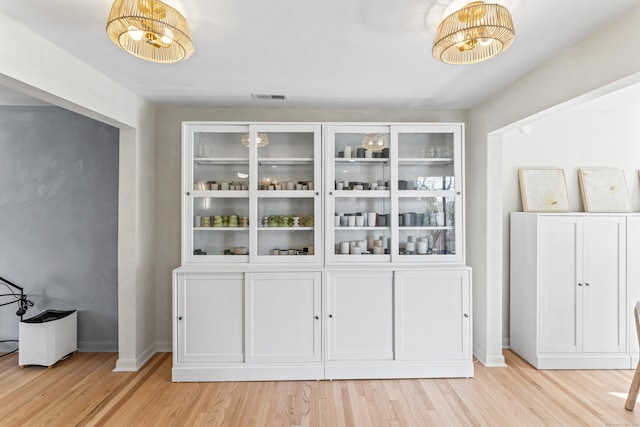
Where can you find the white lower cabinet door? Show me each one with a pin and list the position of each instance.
(283, 317)
(433, 318)
(633, 281)
(560, 267)
(359, 316)
(603, 294)
(209, 317)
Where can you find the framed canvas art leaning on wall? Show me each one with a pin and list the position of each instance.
(543, 190)
(604, 190)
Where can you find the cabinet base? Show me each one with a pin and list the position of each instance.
(353, 371)
(463, 369)
(581, 362)
(243, 372)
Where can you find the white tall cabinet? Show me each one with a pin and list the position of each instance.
(569, 290)
(307, 256)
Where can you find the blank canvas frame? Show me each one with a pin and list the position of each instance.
(604, 190)
(543, 190)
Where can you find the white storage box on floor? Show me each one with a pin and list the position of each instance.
(47, 337)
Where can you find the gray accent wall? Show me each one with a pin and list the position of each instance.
(59, 219)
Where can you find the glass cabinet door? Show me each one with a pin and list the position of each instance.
(358, 208)
(288, 202)
(216, 201)
(428, 193)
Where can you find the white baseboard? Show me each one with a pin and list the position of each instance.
(164, 347)
(133, 365)
(495, 361)
(489, 360)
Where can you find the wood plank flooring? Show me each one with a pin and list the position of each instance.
(82, 391)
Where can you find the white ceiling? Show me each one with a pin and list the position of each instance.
(330, 53)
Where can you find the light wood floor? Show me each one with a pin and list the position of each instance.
(82, 390)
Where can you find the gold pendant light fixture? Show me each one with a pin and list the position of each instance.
(474, 33)
(151, 30)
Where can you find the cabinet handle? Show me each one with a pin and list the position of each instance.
(579, 284)
(331, 316)
(188, 194)
(179, 317)
(331, 193)
(466, 315)
(459, 193)
(317, 193)
(317, 317)
(587, 284)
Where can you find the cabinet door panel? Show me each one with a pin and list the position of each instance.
(559, 284)
(603, 326)
(359, 316)
(213, 154)
(281, 317)
(433, 318)
(633, 281)
(429, 177)
(205, 302)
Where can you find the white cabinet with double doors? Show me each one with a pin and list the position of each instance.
(568, 290)
(247, 326)
(398, 324)
(322, 250)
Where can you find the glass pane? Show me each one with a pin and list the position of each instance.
(221, 177)
(213, 145)
(220, 226)
(290, 243)
(359, 168)
(425, 146)
(287, 145)
(285, 226)
(287, 162)
(362, 225)
(425, 161)
(221, 162)
(427, 225)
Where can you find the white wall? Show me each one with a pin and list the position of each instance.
(33, 65)
(588, 67)
(569, 140)
(572, 139)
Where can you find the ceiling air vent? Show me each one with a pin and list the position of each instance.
(269, 96)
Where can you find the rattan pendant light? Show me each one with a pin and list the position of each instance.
(151, 30)
(474, 33)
